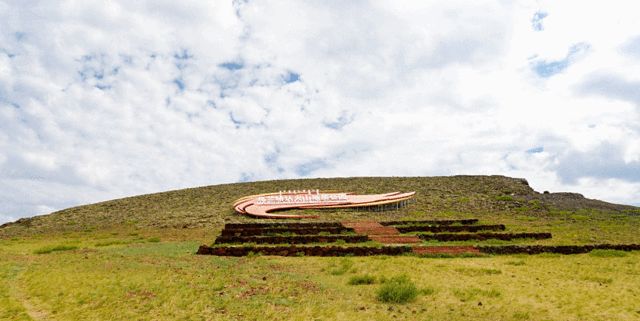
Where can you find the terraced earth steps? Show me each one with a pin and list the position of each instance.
(468, 221)
(294, 239)
(380, 233)
(558, 249)
(232, 226)
(450, 228)
(370, 228)
(294, 230)
(450, 250)
(394, 239)
(450, 237)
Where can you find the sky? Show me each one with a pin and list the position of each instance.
(102, 100)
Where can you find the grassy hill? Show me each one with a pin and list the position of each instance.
(209, 207)
(133, 259)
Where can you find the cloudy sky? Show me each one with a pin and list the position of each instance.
(100, 100)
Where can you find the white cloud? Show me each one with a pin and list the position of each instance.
(106, 100)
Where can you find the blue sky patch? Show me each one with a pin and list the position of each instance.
(271, 159)
(20, 35)
(180, 83)
(290, 77)
(246, 177)
(126, 59)
(309, 167)
(535, 150)
(235, 121)
(632, 47)
(9, 54)
(183, 55)
(339, 123)
(231, 65)
(546, 69)
(536, 21)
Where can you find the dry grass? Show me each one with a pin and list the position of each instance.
(165, 281)
(132, 259)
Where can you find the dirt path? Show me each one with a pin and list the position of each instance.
(380, 233)
(390, 235)
(21, 295)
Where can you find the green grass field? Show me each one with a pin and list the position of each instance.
(133, 259)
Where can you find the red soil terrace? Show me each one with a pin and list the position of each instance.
(451, 250)
(380, 233)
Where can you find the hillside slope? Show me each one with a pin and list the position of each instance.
(209, 207)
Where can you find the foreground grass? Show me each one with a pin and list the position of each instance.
(398, 289)
(132, 259)
(165, 281)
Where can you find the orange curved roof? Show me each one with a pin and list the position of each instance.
(261, 205)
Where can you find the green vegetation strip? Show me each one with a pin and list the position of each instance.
(303, 250)
(432, 222)
(450, 237)
(55, 248)
(445, 228)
